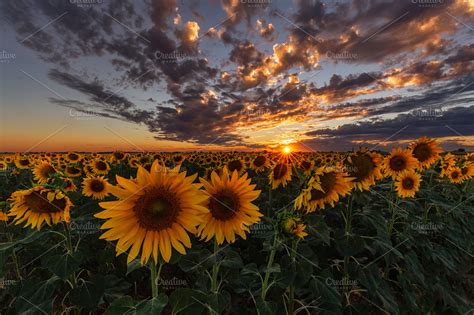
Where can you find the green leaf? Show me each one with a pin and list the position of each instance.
(36, 298)
(153, 306)
(121, 305)
(232, 260)
(61, 265)
(26, 240)
(87, 295)
(188, 301)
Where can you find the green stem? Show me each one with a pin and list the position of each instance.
(70, 249)
(154, 277)
(347, 232)
(215, 269)
(291, 301)
(271, 257)
(15, 257)
(269, 201)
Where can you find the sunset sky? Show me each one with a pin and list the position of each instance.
(164, 75)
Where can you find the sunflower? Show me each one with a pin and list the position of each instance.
(230, 205)
(73, 157)
(307, 166)
(153, 212)
(134, 162)
(119, 156)
(467, 171)
(73, 171)
(68, 185)
(407, 183)
(291, 226)
(280, 174)
(43, 172)
(455, 175)
(100, 167)
(236, 165)
(398, 161)
(364, 167)
(22, 162)
(38, 205)
(324, 187)
(426, 151)
(447, 162)
(259, 163)
(95, 187)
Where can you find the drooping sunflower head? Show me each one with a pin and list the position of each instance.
(364, 167)
(326, 186)
(231, 210)
(68, 185)
(259, 163)
(407, 183)
(236, 165)
(38, 205)
(290, 226)
(154, 213)
(280, 174)
(426, 151)
(100, 166)
(43, 172)
(96, 187)
(398, 161)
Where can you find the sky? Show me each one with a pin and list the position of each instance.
(186, 75)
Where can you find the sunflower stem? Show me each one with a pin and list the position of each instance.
(347, 232)
(291, 301)
(215, 269)
(154, 277)
(271, 257)
(269, 201)
(70, 249)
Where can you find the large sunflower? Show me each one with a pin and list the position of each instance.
(398, 161)
(22, 162)
(426, 151)
(43, 172)
(38, 205)
(324, 187)
(153, 212)
(230, 205)
(407, 183)
(364, 167)
(96, 187)
(280, 174)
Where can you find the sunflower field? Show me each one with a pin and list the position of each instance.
(365, 232)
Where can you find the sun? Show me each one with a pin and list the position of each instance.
(286, 150)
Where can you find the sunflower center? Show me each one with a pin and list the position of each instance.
(305, 165)
(47, 171)
(157, 209)
(259, 161)
(118, 155)
(73, 156)
(73, 170)
(24, 162)
(224, 205)
(408, 183)
(279, 171)
(97, 186)
(101, 166)
(234, 165)
(398, 163)
(38, 202)
(361, 167)
(454, 175)
(328, 181)
(422, 152)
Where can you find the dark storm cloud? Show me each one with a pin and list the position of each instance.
(453, 122)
